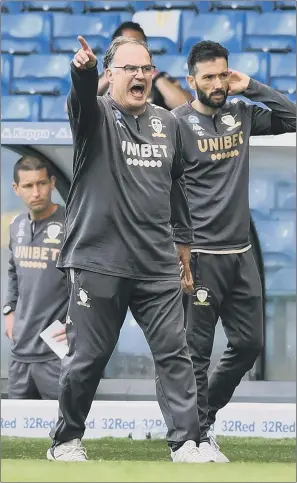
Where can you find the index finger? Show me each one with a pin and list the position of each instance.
(83, 43)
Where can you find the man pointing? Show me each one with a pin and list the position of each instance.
(126, 199)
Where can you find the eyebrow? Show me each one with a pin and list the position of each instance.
(220, 73)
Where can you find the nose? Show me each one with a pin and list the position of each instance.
(139, 73)
(218, 83)
(35, 191)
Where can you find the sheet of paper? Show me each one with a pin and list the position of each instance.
(60, 348)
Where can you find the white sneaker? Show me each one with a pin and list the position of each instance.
(207, 451)
(189, 453)
(220, 457)
(70, 451)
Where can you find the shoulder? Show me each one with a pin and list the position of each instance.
(20, 218)
(183, 111)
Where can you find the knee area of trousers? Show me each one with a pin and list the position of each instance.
(251, 346)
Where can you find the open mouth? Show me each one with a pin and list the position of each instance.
(137, 90)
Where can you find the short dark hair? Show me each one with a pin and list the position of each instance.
(204, 51)
(115, 44)
(30, 163)
(128, 26)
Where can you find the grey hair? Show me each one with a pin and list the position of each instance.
(116, 43)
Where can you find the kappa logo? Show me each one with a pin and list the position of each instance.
(84, 298)
(156, 124)
(198, 129)
(230, 121)
(53, 231)
(202, 296)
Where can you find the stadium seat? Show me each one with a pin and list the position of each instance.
(282, 282)
(97, 29)
(237, 5)
(292, 97)
(275, 32)
(108, 6)
(175, 4)
(5, 73)
(41, 74)
(261, 195)
(162, 29)
(20, 108)
(286, 195)
(286, 5)
(276, 261)
(223, 28)
(25, 33)
(175, 65)
(255, 64)
(54, 6)
(53, 108)
(282, 215)
(283, 72)
(11, 6)
(277, 236)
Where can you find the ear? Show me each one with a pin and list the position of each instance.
(109, 75)
(16, 189)
(191, 82)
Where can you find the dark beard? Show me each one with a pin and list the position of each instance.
(207, 100)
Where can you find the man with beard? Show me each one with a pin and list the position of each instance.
(126, 206)
(215, 137)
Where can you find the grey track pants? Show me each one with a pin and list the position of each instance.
(97, 310)
(226, 286)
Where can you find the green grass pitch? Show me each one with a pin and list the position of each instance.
(121, 460)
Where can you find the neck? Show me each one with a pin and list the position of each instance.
(46, 213)
(208, 111)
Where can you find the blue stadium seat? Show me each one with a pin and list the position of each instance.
(286, 195)
(25, 33)
(283, 72)
(175, 4)
(5, 73)
(11, 6)
(237, 5)
(224, 28)
(175, 65)
(53, 108)
(292, 97)
(20, 108)
(54, 6)
(275, 32)
(162, 29)
(108, 6)
(283, 215)
(286, 5)
(97, 29)
(277, 236)
(276, 261)
(281, 282)
(261, 194)
(255, 64)
(41, 74)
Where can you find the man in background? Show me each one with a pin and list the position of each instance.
(166, 92)
(37, 293)
(215, 136)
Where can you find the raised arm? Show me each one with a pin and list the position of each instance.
(82, 99)
(281, 118)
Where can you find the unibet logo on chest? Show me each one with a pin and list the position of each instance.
(220, 144)
(139, 154)
(28, 255)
